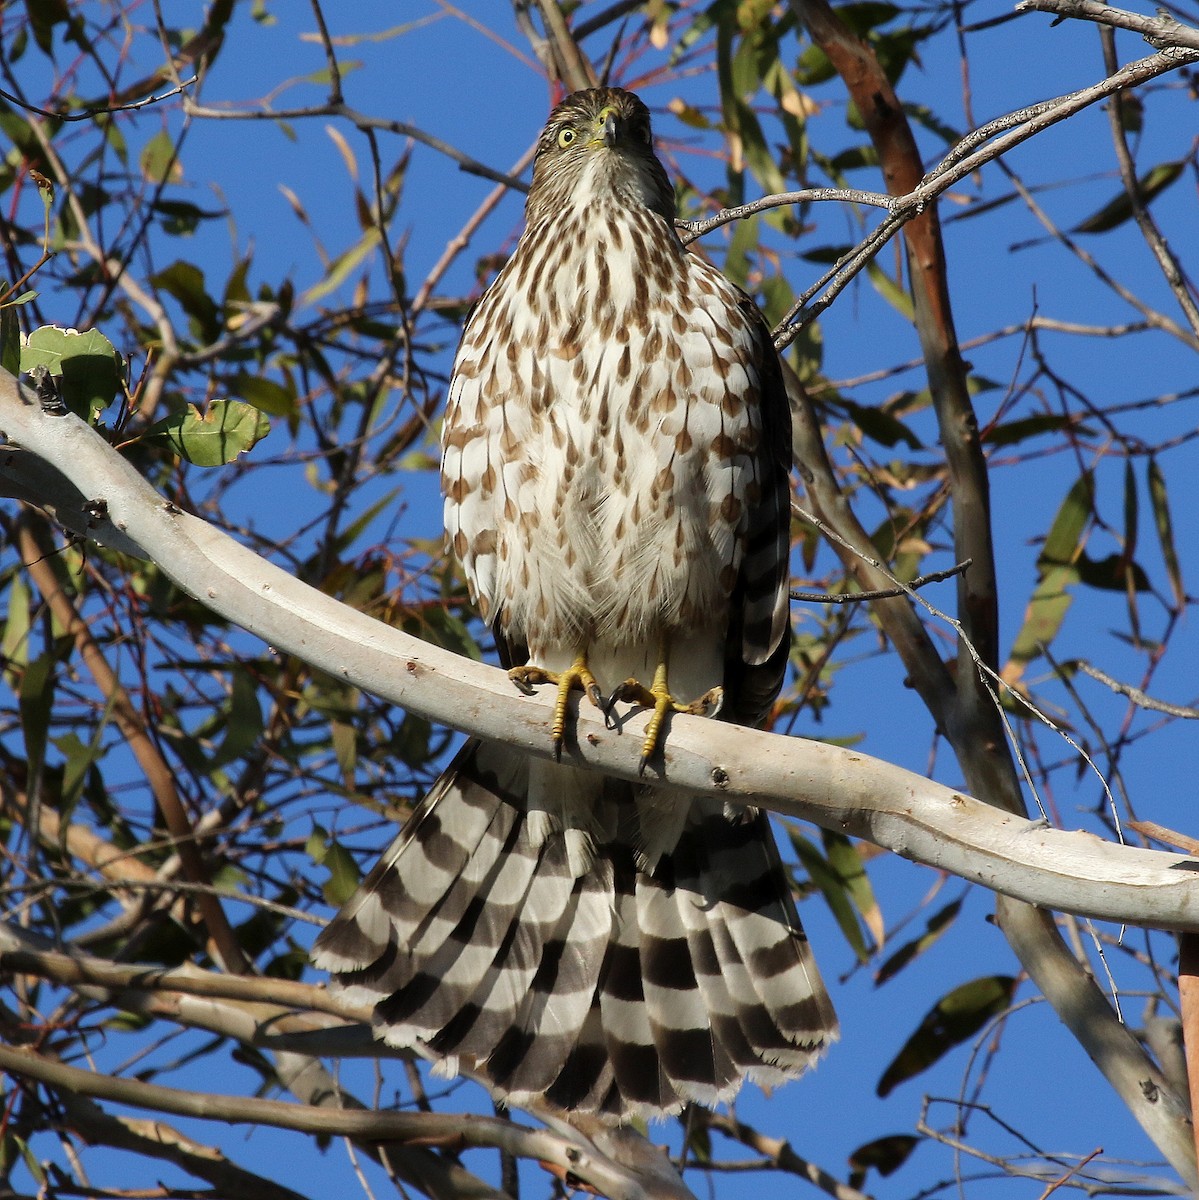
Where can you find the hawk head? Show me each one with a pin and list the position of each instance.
(596, 148)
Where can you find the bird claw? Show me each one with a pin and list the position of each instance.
(658, 697)
(577, 677)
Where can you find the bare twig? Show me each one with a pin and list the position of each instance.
(88, 114)
(880, 593)
(1137, 696)
(362, 121)
(577, 1158)
(972, 152)
(779, 1153)
(695, 229)
(1167, 260)
(1162, 31)
(133, 728)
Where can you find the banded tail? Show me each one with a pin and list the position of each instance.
(558, 958)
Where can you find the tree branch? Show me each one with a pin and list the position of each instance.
(1162, 31)
(966, 710)
(841, 789)
(574, 1156)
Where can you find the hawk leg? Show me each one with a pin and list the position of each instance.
(658, 697)
(577, 677)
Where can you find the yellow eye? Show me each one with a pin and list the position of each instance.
(566, 137)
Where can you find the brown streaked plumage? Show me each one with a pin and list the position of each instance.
(615, 462)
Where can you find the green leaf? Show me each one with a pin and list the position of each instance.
(18, 620)
(954, 1019)
(1063, 543)
(1046, 610)
(264, 394)
(10, 337)
(1111, 574)
(934, 927)
(1010, 433)
(159, 159)
(879, 425)
(1131, 510)
(844, 858)
(317, 845)
(825, 254)
(343, 266)
(894, 294)
(834, 889)
(1119, 209)
(345, 745)
(87, 366)
(78, 759)
(35, 702)
(1160, 503)
(215, 437)
(181, 218)
(885, 1154)
(343, 875)
(43, 16)
(242, 720)
(185, 281)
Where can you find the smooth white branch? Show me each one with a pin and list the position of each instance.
(839, 789)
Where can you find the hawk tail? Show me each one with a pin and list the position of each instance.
(617, 990)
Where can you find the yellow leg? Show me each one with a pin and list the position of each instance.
(577, 677)
(658, 697)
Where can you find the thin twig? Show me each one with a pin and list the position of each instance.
(578, 1158)
(781, 1155)
(972, 152)
(1167, 260)
(694, 229)
(1137, 696)
(880, 593)
(1162, 31)
(88, 114)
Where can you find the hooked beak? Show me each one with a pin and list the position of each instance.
(606, 129)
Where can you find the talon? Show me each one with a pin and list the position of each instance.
(528, 677)
(577, 677)
(658, 697)
(708, 705)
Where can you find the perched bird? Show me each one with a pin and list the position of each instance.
(615, 470)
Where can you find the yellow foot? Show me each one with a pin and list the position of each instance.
(577, 677)
(657, 696)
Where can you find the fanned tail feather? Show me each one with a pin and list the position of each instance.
(617, 991)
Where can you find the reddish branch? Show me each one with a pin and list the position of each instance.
(158, 773)
(963, 708)
(899, 156)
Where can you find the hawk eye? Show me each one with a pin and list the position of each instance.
(566, 137)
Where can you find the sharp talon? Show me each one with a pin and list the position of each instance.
(577, 677)
(527, 678)
(708, 705)
(658, 697)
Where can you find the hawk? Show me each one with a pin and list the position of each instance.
(615, 467)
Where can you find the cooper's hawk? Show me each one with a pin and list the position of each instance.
(615, 462)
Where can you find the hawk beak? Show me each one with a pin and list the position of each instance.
(606, 128)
